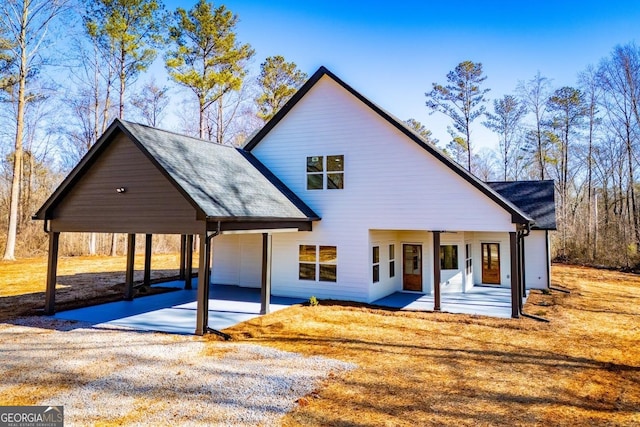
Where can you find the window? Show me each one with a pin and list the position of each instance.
(376, 264)
(318, 259)
(333, 169)
(469, 259)
(449, 257)
(392, 262)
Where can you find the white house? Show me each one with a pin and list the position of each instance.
(396, 213)
(333, 198)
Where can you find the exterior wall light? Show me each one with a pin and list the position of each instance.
(120, 190)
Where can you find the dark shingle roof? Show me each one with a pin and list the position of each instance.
(222, 182)
(535, 198)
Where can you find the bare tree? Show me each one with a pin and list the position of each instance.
(534, 93)
(151, 102)
(505, 121)
(27, 22)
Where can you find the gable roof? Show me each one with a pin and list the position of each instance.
(517, 215)
(221, 182)
(536, 198)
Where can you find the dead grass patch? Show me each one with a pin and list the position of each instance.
(582, 368)
(82, 281)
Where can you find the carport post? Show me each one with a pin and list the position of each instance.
(147, 259)
(189, 262)
(131, 254)
(436, 271)
(202, 310)
(515, 277)
(52, 273)
(183, 248)
(265, 293)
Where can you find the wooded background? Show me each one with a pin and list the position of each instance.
(56, 100)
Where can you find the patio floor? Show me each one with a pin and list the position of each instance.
(482, 300)
(175, 312)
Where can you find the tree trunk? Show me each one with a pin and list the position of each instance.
(220, 124)
(201, 111)
(9, 252)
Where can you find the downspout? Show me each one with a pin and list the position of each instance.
(521, 236)
(208, 282)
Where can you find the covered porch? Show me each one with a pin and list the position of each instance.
(472, 272)
(479, 300)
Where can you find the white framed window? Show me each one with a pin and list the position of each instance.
(318, 263)
(449, 257)
(325, 172)
(375, 258)
(468, 265)
(392, 260)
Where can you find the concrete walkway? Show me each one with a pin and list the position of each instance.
(175, 312)
(482, 300)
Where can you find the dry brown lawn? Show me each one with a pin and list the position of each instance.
(82, 281)
(581, 368)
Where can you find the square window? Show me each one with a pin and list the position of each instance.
(314, 164)
(314, 181)
(335, 181)
(335, 163)
(307, 271)
(328, 254)
(328, 272)
(449, 257)
(307, 253)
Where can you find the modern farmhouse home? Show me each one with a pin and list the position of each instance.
(333, 197)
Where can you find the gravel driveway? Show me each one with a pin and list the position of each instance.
(124, 377)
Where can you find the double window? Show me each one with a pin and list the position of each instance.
(318, 263)
(325, 172)
(449, 257)
(469, 261)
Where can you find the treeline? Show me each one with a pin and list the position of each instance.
(57, 98)
(584, 137)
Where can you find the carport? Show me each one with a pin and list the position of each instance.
(141, 180)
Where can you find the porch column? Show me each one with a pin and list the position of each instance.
(147, 259)
(202, 311)
(52, 273)
(521, 268)
(515, 285)
(188, 262)
(436, 271)
(131, 254)
(183, 247)
(265, 293)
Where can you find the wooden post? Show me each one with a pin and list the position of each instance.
(183, 248)
(52, 273)
(147, 259)
(131, 255)
(265, 291)
(523, 277)
(515, 285)
(436, 271)
(189, 262)
(202, 310)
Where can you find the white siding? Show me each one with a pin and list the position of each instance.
(225, 269)
(387, 285)
(536, 261)
(391, 183)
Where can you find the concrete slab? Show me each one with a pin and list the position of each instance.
(175, 312)
(481, 300)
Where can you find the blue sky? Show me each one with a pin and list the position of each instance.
(392, 52)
